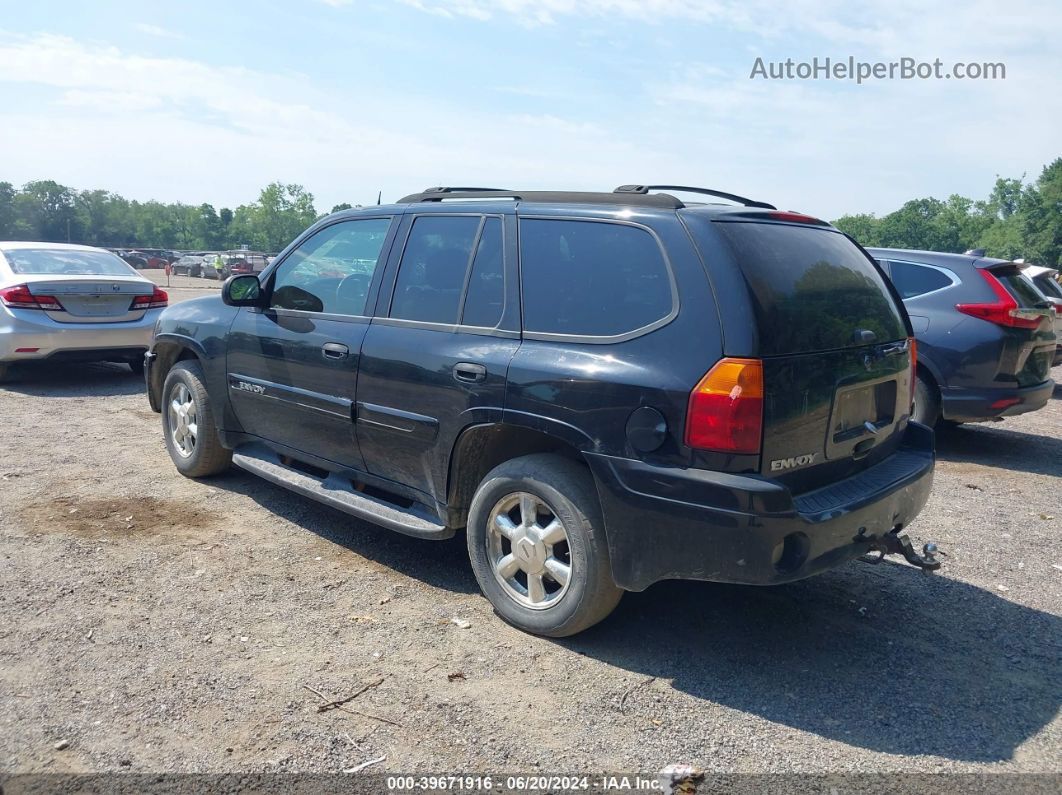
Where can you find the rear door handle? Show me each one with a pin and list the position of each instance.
(334, 350)
(469, 372)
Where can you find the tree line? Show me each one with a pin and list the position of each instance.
(1016, 220)
(45, 210)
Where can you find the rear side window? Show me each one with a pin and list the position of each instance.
(432, 272)
(810, 289)
(913, 280)
(485, 296)
(591, 278)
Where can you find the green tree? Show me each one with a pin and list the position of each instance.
(47, 208)
(7, 210)
(864, 227)
(340, 207)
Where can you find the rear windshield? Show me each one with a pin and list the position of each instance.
(1048, 286)
(811, 289)
(60, 262)
(1018, 285)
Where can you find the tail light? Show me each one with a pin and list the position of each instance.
(21, 297)
(726, 408)
(1004, 311)
(156, 300)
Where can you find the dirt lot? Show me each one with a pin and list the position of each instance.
(154, 623)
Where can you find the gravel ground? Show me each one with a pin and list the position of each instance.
(153, 623)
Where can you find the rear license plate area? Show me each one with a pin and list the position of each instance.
(860, 412)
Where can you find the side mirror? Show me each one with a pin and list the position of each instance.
(244, 290)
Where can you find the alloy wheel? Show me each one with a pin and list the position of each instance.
(528, 550)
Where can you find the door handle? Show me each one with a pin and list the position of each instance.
(334, 350)
(469, 372)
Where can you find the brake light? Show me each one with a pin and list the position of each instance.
(799, 218)
(156, 300)
(21, 297)
(726, 408)
(1003, 312)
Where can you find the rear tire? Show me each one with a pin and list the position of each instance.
(926, 402)
(537, 546)
(188, 423)
(4, 370)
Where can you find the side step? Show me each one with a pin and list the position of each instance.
(339, 493)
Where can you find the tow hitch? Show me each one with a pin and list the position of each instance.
(895, 544)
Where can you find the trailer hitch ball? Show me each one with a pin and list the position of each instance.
(895, 544)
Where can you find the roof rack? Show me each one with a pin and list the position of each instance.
(644, 190)
(443, 189)
(661, 200)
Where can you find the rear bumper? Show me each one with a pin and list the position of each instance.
(665, 523)
(71, 340)
(977, 405)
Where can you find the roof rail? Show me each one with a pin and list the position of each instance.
(644, 189)
(661, 200)
(444, 189)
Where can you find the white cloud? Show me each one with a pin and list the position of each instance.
(879, 26)
(160, 32)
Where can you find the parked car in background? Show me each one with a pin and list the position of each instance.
(188, 265)
(134, 259)
(239, 262)
(1046, 281)
(605, 389)
(73, 303)
(985, 335)
(210, 269)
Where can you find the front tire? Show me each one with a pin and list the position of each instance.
(188, 423)
(537, 546)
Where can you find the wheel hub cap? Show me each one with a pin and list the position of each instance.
(528, 549)
(183, 420)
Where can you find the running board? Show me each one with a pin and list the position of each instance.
(338, 492)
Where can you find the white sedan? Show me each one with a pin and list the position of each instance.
(73, 303)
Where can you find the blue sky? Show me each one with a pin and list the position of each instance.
(197, 101)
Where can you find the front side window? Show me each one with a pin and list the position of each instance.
(431, 275)
(591, 278)
(912, 280)
(331, 271)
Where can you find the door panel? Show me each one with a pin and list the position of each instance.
(438, 363)
(411, 407)
(285, 389)
(293, 368)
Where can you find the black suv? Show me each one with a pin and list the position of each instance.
(605, 389)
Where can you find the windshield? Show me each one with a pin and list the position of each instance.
(63, 262)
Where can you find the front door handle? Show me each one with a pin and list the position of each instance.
(469, 372)
(334, 350)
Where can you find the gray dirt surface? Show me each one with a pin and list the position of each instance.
(151, 623)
